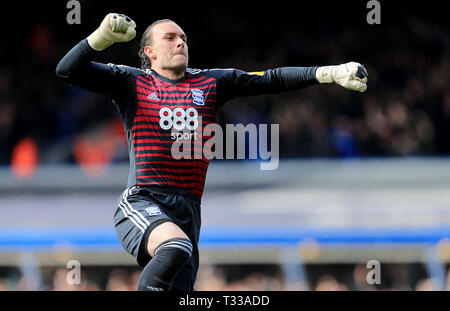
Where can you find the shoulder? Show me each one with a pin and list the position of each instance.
(195, 71)
(217, 73)
(124, 69)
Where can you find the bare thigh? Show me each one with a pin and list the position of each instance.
(161, 233)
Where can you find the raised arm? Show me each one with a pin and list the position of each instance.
(76, 66)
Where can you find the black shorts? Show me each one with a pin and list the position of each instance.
(141, 209)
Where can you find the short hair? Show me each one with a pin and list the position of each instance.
(147, 40)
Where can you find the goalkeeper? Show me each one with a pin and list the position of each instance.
(157, 219)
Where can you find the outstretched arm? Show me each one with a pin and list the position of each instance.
(234, 83)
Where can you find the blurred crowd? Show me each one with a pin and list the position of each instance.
(215, 278)
(406, 110)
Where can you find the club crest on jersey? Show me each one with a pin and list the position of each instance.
(197, 96)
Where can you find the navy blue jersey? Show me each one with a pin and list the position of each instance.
(155, 109)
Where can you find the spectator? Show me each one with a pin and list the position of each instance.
(425, 285)
(329, 283)
(209, 279)
(118, 281)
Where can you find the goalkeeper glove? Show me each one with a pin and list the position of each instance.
(114, 28)
(352, 76)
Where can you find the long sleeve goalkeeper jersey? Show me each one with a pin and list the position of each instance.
(154, 109)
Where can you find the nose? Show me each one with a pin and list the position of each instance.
(180, 43)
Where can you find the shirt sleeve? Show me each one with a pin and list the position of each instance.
(115, 81)
(77, 69)
(237, 83)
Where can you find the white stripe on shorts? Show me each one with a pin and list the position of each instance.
(130, 217)
(132, 214)
(132, 210)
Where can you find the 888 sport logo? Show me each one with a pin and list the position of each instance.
(178, 118)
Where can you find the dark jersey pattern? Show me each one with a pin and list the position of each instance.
(154, 109)
(152, 143)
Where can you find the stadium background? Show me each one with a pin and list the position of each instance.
(361, 177)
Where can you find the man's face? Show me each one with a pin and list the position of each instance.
(169, 48)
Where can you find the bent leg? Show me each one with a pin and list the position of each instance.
(171, 249)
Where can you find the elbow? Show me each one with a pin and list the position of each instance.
(61, 70)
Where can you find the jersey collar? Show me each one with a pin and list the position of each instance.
(162, 78)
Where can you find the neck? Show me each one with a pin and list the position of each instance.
(169, 73)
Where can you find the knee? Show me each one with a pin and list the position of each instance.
(175, 251)
(170, 258)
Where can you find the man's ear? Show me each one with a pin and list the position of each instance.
(150, 52)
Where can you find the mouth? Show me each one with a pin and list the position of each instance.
(179, 53)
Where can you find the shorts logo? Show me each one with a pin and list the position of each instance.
(152, 211)
(197, 96)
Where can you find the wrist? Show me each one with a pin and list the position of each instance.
(97, 41)
(325, 74)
